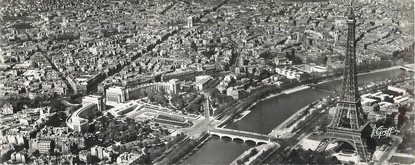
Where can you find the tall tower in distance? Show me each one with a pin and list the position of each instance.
(189, 21)
(349, 108)
(349, 123)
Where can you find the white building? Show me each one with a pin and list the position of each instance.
(290, 73)
(94, 99)
(128, 158)
(397, 89)
(189, 21)
(101, 152)
(282, 61)
(18, 157)
(116, 94)
(319, 69)
(202, 81)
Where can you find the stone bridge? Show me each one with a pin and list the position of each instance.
(243, 135)
(408, 67)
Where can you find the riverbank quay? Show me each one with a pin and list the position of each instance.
(227, 119)
(172, 148)
(244, 104)
(286, 129)
(359, 74)
(248, 103)
(255, 154)
(199, 143)
(182, 151)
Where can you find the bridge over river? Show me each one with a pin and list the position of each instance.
(408, 67)
(243, 135)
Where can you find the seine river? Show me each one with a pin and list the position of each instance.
(267, 115)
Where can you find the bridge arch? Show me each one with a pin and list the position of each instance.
(216, 135)
(333, 140)
(239, 139)
(226, 137)
(250, 141)
(260, 143)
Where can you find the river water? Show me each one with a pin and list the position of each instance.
(267, 115)
(220, 151)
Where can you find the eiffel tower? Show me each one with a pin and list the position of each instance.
(349, 123)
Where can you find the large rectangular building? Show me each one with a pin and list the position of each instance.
(116, 94)
(94, 99)
(86, 83)
(202, 81)
(80, 124)
(42, 145)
